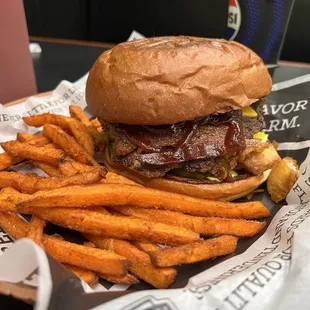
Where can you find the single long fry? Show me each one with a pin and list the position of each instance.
(38, 153)
(195, 252)
(9, 199)
(112, 177)
(126, 279)
(113, 195)
(47, 118)
(88, 258)
(24, 137)
(96, 123)
(78, 113)
(88, 276)
(82, 136)
(48, 169)
(116, 227)
(71, 167)
(69, 144)
(13, 225)
(33, 183)
(38, 140)
(35, 230)
(7, 206)
(8, 190)
(147, 247)
(141, 264)
(70, 253)
(101, 210)
(205, 225)
(7, 160)
(21, 182)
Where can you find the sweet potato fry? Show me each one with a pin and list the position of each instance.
(7, 206)
(21, 182)
(33, 183)
(141, 266)
(88, 276)
(38, 140)
(9, 199)
(81, 136)
(24, 137)
(53, 146)
(195, 252)
(113, 194)
(112, 177)
(47, 118)
(7, 160)
(204, 225)
(9, 190)
(13, 225)
(101, 210)
(66, 252)
(71, 167)
(147, 247)
(65, 123)
(96, 123)
(116, 227)
(48, 169)
(11, 193)
(77, 112)
(69, 144)
(35, 230)
(85, 257)
(37, 153)
(126, 279)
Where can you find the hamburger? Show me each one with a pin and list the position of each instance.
(184, 114)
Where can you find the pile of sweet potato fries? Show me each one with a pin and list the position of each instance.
(131, 232)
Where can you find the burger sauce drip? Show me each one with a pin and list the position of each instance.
(183, 150)
(136, 134)
(234, 139)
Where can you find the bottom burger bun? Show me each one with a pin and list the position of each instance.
(220, 191)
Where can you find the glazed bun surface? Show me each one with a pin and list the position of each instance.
(165, 80)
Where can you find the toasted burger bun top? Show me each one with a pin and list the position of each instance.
(221, 191)
(165, 80)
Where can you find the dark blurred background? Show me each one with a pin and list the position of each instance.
(113, 21)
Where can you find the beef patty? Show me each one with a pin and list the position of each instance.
(218, 161)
